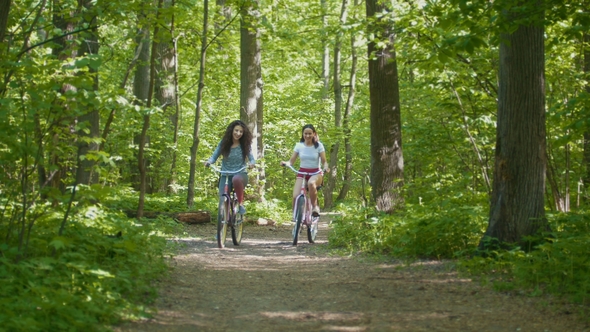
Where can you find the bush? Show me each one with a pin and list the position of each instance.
(99, 271)
(559, 265)
(439, 230)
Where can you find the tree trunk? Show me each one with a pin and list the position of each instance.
(251, 80)
(333, 162)
(517, 204)
(347, 177)
(141, 83)
(172, 187)
(146, 121)
(4, 14)
(190, 198)
(87, 138)
(63, 50)
(165, 91)
(387, 162)
(326, 51)
(586, 46)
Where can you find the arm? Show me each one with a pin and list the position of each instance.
(252, 160)
(291, 161)
(324, 161)
(214, 156)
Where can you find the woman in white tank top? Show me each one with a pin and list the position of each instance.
(310, 152)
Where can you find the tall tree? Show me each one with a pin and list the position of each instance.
(141, 79)
(190, 198)
(325, 50)
(517, 206)
(4, 12)
(89, 134)
(165, 90)
(141, 160)
(333, 162)
(346, 127)
(387, 162)
(586, 47)
(251, 80)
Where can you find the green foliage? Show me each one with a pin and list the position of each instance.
(441, 229)
(560, 265)
(101, 270)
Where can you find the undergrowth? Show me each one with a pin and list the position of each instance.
(102, 269)
(438, 230)
(559, 266)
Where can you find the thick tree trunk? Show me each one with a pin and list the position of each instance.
(165, 93)
(190, 198)
(387, 162)
(517, 204)
(251, 80)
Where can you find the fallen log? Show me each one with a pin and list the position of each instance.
(196, 217)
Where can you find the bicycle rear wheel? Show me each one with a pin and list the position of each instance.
(222, 222)
(298, 218)
(312, 230)
(238, 225)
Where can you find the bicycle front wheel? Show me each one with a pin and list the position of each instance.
(222, 222)
(312, 230)
(238, 225)
(298, 218)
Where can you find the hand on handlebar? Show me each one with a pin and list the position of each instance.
(206, 163)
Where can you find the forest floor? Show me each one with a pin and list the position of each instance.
(267, 284)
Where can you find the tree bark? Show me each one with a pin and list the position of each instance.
(387, 163)
(517, 204)
(190, 198)
(89, 122)
(4, 14)
(347, 176)
(333, 162)
(251, 81)
(146, 121)
(586, 180)
(165, 92)
(141, 84)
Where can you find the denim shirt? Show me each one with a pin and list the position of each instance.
(234, 160)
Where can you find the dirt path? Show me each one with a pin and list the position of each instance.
(266, 284)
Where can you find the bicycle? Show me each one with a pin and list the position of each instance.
(302, 210)
(228, 212)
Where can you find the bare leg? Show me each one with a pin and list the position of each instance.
(313, 183)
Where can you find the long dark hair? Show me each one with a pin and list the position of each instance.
(316, 138)
(245, 141)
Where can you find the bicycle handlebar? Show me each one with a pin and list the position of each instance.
(299, 172)
(218, 170)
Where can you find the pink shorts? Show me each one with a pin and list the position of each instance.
(307, 170)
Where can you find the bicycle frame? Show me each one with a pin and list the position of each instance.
(302, 210)
(228, 215)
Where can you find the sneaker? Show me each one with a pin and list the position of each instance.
(316, 211)
(242, 210)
